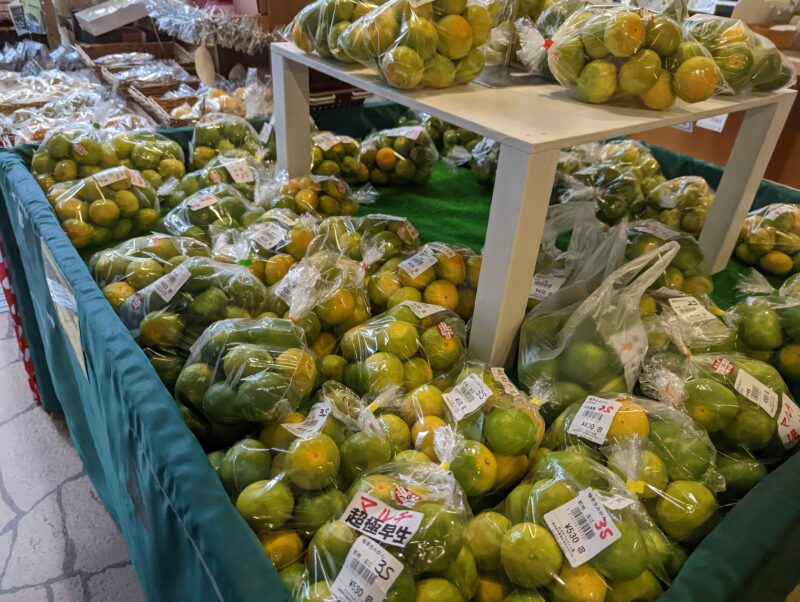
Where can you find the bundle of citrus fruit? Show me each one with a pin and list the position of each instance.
(483, 160)
(681, 203)
(334, 155)
(320, 196)
(219, 132)
(217, 206)
(770, 239)
(399, 155)
(602, 54)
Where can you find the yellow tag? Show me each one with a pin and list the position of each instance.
(635, 486)
(372, 407)
(536, 402)
(445, 465)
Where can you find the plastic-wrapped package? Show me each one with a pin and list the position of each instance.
(135, 263)
(575, 532)
(483, 159)
(686, 272)
(681, 203)
(421, 44)
(153, 72)
(219, 205)
(614, 188)
(319, 25)
(576, 344)
(320, 196)
(168, 315)
(400, 155)
(157, 157)
(747, 60)
(741, 470)
(440, 274)
(633, 152)
(218, 132)
(111, 205)
(405, 516)
(603, 53)
(335, 155)
(410, 345)
(770, 239)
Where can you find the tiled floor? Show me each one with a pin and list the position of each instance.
(57, 542)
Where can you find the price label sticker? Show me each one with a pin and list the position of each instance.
(265, 133)
(269, 235)
(327, 140)
(169, 284)
(594, 419)
(79, 149)
(656, 228)
(109, 176)
(614, 501)
(442, 248)
(407, 232)
(281, 217)
(723, 366)
(422, 310)
(240, 171)
(545, 285)
(630, 346)
(715, 123)
(501, 377)
(582, 527)
(467, 396)
(789, 423)
(368, 573)
(756, 391)
(373, 518)
(285, 290)
(62, 296)
(169, 186)
(137, 179)
(409, 131)
(313, 423)
(689, 309)
(418, 263)
(202, 200)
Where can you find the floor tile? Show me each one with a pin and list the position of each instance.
(117, 584)
(68, 590)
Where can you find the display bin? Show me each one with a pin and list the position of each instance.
(185, 538)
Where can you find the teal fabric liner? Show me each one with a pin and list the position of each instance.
(185, 538)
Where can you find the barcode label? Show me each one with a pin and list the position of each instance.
(109, 176)
(594, 419)
(240, 171)
(368, 573)
(423, 310)
(418, 263)
(501, 377)
(690, 310)
(442, 248)
(281, 217)
(169, 186)
(284, 290)
(265, 133)
(268, 235)
(327, 140)
(582, 527)
(410, 131)
(757, 392)
(137, 179)
(375, 519)
(202, 200)
(656, 228)
(467, 396)
(169, 284)
(789, 423)
(313, 423)
(543, 286)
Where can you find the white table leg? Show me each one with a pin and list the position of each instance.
(290, 86)
(516, 222)
(748, 161)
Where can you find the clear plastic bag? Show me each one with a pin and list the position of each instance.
(401, 155)
(219, 205)
(421, 44)
(614, 188)
(439, 274)
(111, 205)
(170, 314)
(216, 133)
(319, 25)
(135, 263)
(770, 239)
(747, 60)
(593, 343)
(603, 53)
(335, 155)
(687, 272)
(681, 203)
(483, 159)
(320, 196)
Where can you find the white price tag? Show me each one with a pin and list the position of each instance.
(407, 232)
(137, 179)
(281, 217)
(265, 133)
(109, 176)
(269, 235)
(442, 248)
(789, 423)
(594, 419)
(614, 501)
(418, 263)
(582, 527)
(656, 228)
(545, 285)
(169, 284)
(169, 186)
(757, 392)
(380, 521)
(423, 310)
(327, 140)
(723, 366)
(313, 423)
(467, 396)
(61, 296)
(79, 149)
(284, 290)
(368, 573)
(684, 127)
(715, 123)
(630, 346)
(501, 377)
(202, 200)
(690, 310)
(410, 131)
(240, 171)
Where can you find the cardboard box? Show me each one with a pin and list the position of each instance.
(111, 15)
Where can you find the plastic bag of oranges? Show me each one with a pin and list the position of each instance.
(219, 132)
(219, 206)
(401, 155)
(320, 196)
(319, 25)
(770, 239)
(604, 53)
(412, 44)
(338, 155)
(135, 263)
(681, 203)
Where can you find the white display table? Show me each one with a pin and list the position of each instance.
(533, 123)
